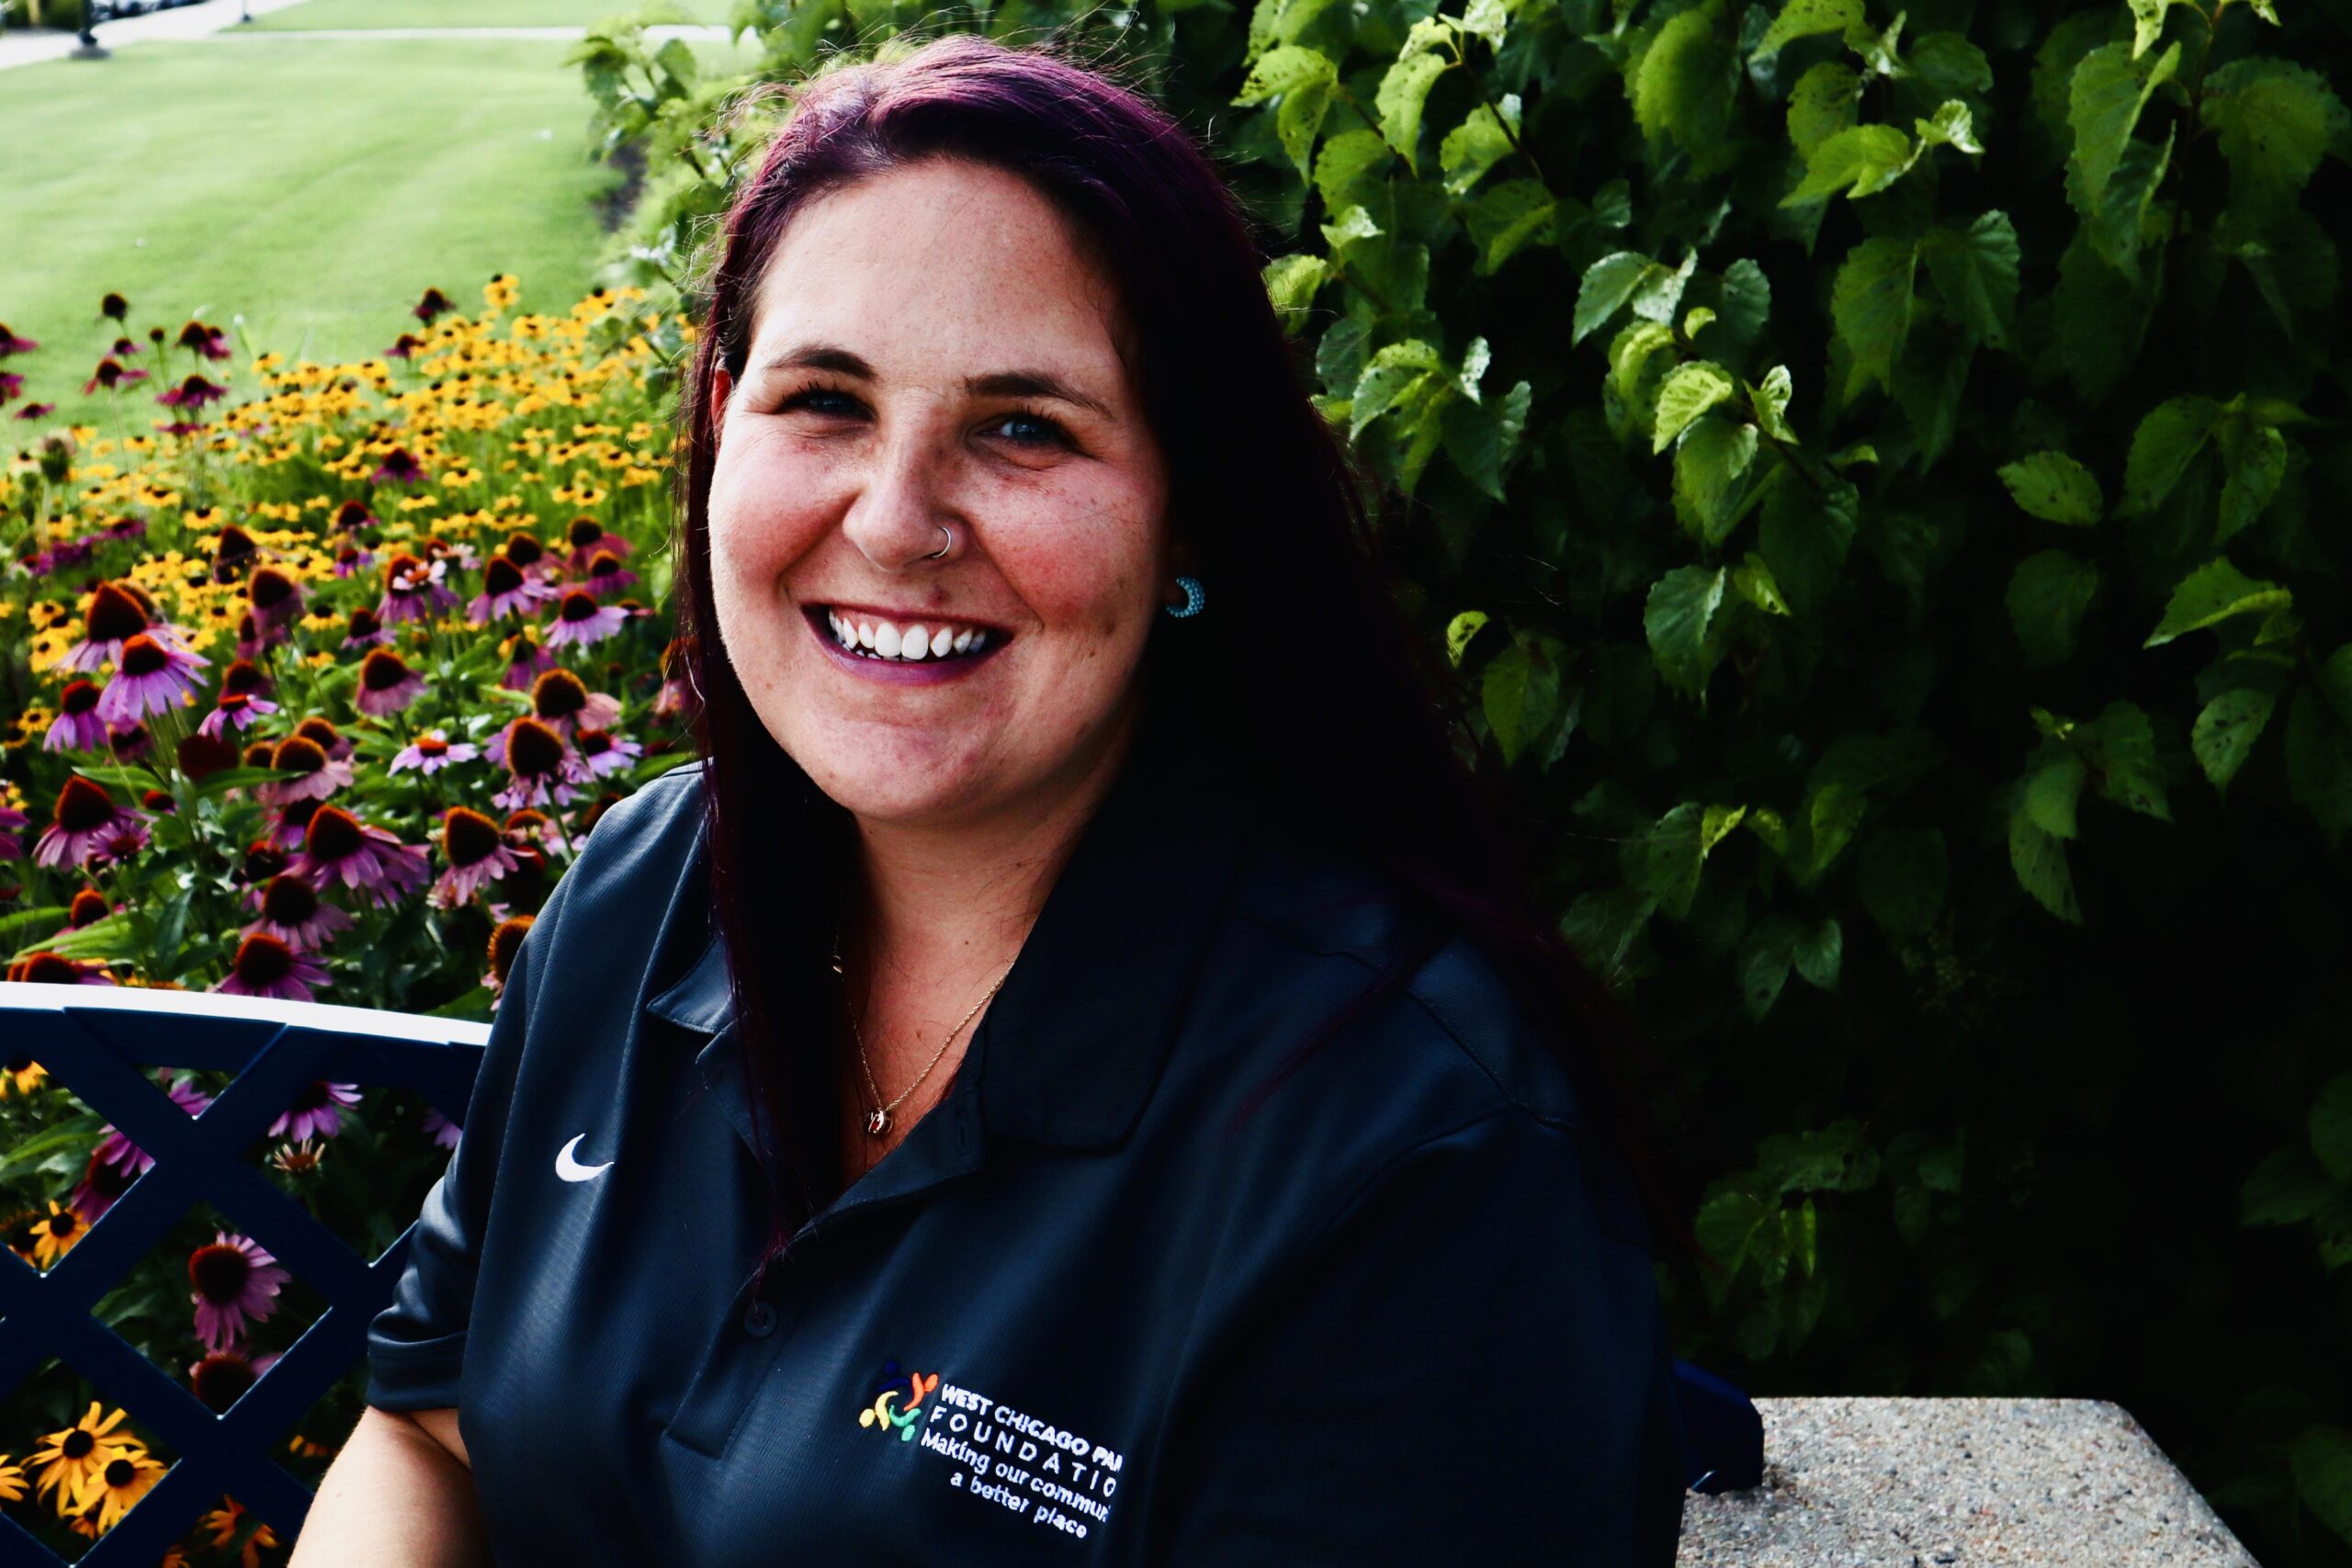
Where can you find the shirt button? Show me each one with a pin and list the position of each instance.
(759, 1320)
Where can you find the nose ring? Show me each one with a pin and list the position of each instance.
(945, 548)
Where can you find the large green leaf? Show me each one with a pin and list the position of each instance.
(1607, 287)
(2275, 119)
(2212, 593)
(1679, 619)
(1804, 18)
(2054, 488)
(2109, 89)
(1689, 391)
(2167, 441)
(1404, 91)
(1858, 162)
(1870, 305)
(2226, 731)
(1823, 103)
(1975, 271)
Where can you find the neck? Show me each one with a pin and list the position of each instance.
(950, 902)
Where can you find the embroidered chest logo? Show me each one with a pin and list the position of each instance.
(1038, 1472)
(898, 1401)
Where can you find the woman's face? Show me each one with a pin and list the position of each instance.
(933, 351)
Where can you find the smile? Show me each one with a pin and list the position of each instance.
(902, 650)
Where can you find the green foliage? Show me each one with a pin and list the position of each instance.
(1907, 570)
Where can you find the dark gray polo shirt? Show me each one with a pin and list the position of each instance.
(1085, 1313)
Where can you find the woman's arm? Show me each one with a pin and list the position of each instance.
(398, 1496)
(1466, 1367)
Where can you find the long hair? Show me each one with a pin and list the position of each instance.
(1267, 495)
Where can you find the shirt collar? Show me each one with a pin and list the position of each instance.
(1071, 1048)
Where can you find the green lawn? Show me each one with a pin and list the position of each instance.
(466, 13)
(316, 187)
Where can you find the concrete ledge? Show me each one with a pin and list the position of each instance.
(1932, 1483)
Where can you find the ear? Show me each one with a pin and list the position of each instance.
(1183, 561)
(722, 386)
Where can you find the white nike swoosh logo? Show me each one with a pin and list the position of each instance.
(571, 1170)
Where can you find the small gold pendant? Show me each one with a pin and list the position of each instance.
(877, 1121)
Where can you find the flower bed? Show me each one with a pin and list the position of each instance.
(313, 700)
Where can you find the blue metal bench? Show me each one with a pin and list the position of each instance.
(97, 1042)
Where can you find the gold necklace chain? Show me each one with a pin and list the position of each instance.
(878, 1119)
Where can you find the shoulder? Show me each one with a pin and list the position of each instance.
(632, 871)
(1443, 1013)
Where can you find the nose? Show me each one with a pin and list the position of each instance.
(895, 518)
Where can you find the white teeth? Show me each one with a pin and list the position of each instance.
(885, 640)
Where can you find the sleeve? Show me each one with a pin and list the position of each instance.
(416, 1346)
(1466, 1367)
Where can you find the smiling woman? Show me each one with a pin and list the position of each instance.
(1065, 1075)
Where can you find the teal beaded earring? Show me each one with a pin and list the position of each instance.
(1194, 598)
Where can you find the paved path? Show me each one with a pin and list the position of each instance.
(217, 19)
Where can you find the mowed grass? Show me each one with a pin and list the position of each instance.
(316, 187)
(466, 13)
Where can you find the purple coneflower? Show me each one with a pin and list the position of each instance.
(580, 619)
(126, 348)
(386, 683)
(265, 967)
(337, 845)
(476, 855)
(235, 1280)
(404, 346)
(440, 1129)
(317, 1112)
(244, 698)
(117, 1150)
(523, 548)
(364, 630)
(87, 908)
(398, 467)
(192, 393)
(606, 574)
(539, 766)
(113, 306)
(413, 590)
(435, 304)
(10, 385)
(276, 597)
(605, 752)
(562, 701)
(111, 374)
(293, 825)
(222, 1377)
(505, 590)
(292, 911)
(47, 968)
(12, 823)
(77, 726)
(506, 941)
(152, 677)
(232, 552)
(117, 613)
(530, 834)
(337, 744)
(432, 751)
(586, 536)
(87, 828)
(205, 338)
(11, 344)
(36, 411)
(102, 1186)
(351, 560)
(319, 775)
(670, 700)
(350, 517)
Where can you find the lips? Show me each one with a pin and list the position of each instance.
(902, 648)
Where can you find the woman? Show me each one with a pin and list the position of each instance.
(1056, 1083)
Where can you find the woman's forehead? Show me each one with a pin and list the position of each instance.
(943, 272)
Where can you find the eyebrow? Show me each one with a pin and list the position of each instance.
(996, 384)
